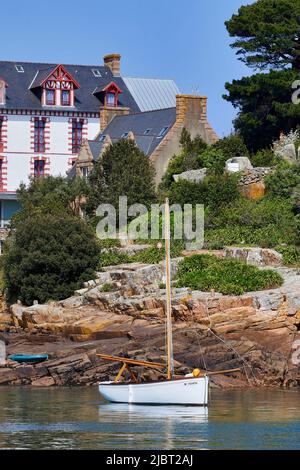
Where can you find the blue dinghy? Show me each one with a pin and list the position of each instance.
(29, 358)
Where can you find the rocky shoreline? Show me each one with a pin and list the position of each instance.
(122, 312)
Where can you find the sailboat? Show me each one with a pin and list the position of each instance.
(192, 389)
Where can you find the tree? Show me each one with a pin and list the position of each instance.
(268, 34)
(48, 256)
(124, 170)
(268, 38)
(265, 107)
(232, 146)
(53, 193)
(50, 251)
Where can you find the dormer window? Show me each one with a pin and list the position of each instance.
(108, 94)
(57, 85)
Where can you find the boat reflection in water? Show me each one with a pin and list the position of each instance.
(149, 412)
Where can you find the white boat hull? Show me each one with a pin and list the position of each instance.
(185, 391)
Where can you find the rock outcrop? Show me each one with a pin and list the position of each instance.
(257, 332)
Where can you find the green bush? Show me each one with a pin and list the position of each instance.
(214, 191)
(112, 258)
(48, 256)
(256, 214)
(232, 146)
(283, 181)
(265, 158)
(214, 160)
(291, 255)
(206, 273)
(188, 159)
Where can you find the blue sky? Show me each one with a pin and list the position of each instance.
(183, 40)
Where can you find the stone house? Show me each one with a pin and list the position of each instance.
(157, 133)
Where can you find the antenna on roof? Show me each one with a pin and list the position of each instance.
(196, 90)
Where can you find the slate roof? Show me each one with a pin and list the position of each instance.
(96, 148)
(19, 95)
(139, 123)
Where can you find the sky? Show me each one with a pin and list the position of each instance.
(183, 40)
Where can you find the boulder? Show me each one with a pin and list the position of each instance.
(255, 256)
(234, 165)
(254, 191)
(195, 176)
(43, 382)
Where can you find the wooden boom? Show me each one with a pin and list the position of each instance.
(126, 360)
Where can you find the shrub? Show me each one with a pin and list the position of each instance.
(282, 182)
(112, 258)
(214, 191)
(265, 158)
(232, 146)
(213, 159)
(206, 272)
(48, 256)
(188, 159)
(291, 255)
(186, 192)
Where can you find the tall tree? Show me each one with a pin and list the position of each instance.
(124, 170)
(268, 38)
(265, 107)
(268, 34)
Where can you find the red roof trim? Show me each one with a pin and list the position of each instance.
(112, 85)
(61, 67)
(2, 80)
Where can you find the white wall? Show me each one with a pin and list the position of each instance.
(19, 142)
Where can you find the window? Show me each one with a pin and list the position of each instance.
(85, 172)
(147, 131)
(163, 132)
(76, 135)
(65, 98)
(110, 99)
(96, 72)
(124, 135)
(19, 68)
(39, 168)
(50, 97)
(39, 135)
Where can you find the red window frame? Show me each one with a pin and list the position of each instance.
(39, 168)
(1, 174)
(39, 135)
(53, 102)
(77, 128)
(1, 128)
(69, 100)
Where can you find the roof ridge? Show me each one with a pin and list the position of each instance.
(142, 112)
(49, 63)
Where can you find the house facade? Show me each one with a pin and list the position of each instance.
(48, 110)
(157, 133)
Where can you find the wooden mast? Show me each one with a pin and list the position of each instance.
(170, 365)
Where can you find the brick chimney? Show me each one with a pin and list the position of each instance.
(113, 61)
(191, 108)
